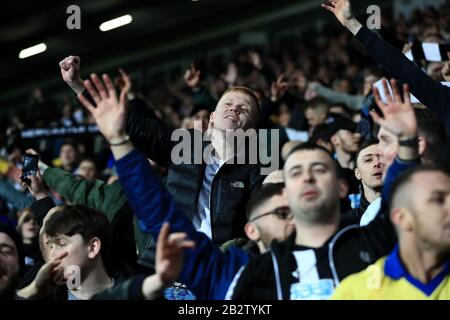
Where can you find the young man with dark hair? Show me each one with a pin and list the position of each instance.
(77, 251)
(265, 225)
(339, 136)
(419, 266)
(368, 172)
(128, 241)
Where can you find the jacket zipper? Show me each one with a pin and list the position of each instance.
(330, 251)
(330, 258)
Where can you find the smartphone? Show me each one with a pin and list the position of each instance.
(30, 167)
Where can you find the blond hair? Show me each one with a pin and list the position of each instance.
(247, 91)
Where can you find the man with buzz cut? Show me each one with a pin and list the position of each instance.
(324, 250)
(419, 266)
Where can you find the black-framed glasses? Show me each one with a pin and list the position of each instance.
(282, 213)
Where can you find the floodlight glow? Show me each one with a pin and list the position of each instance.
(116, 23)
(31, 51)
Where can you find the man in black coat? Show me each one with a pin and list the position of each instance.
(212, 190)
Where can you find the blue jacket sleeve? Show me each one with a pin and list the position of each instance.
(431, 93)
(207, 271)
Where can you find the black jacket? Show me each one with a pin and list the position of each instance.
(353, 216)
(231, 187)
(432, 94)
(184, 181)
(351, 248)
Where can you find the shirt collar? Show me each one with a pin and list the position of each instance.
(393, 266)
(394, 269)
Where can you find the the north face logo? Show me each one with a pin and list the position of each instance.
(238, 184)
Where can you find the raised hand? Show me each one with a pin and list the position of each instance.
(310, 92)
(398, 115)
(255, 59)
(406, 47)
(231, 76)
(37, 187)
(110, 113)
(279, 88)
(342, 9)
(50, 274)
(170, 254)
(192, 77)
(124, 81)
(70, 71)
(48, 277)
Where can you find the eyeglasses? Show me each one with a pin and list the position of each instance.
(282, 213)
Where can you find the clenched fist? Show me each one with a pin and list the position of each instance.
(70, 71)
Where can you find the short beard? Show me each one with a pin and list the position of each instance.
(316, 215)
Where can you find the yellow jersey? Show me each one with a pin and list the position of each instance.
(388, 279)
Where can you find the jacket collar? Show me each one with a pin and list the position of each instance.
(363, 203)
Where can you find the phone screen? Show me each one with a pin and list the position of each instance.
(30, 165)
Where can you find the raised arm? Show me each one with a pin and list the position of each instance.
(148, 135)
(205, 266)
(94, 193)
(342, 9)
(431, 93)
(399, 118)
(354, 102)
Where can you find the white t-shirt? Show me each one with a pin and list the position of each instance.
(202, 220)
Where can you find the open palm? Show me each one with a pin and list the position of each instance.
(340, 8)
(110, 112)
(170, 254)
(398, 115)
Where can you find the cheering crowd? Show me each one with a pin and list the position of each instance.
(357, 206)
